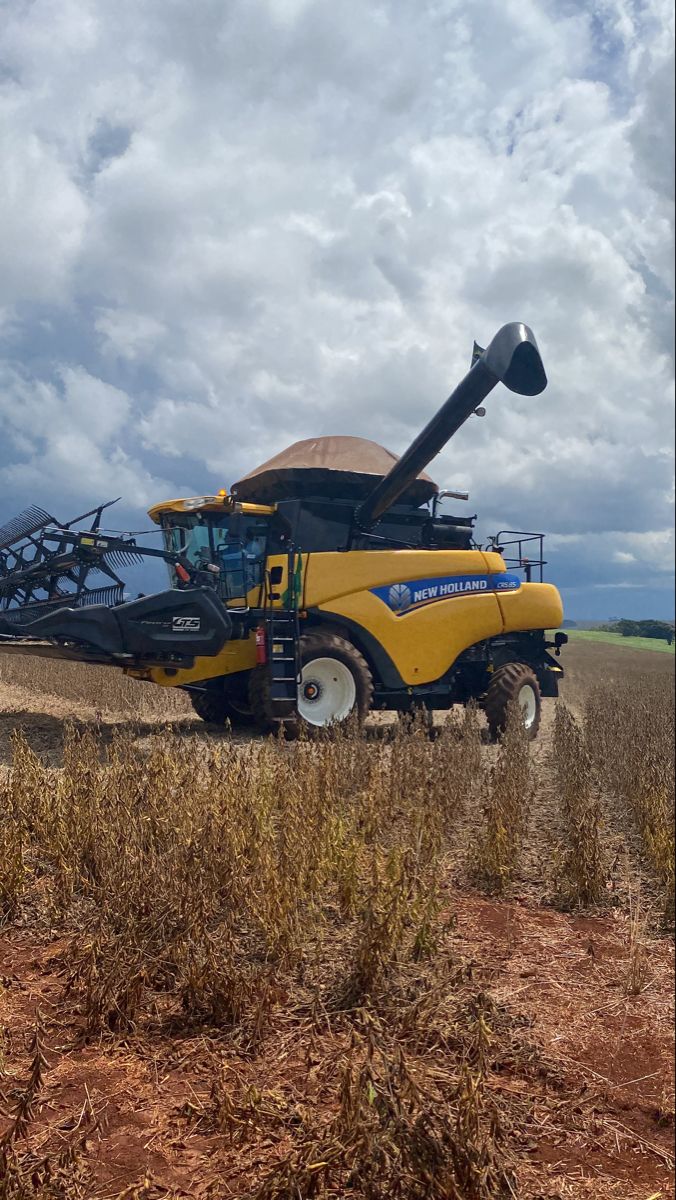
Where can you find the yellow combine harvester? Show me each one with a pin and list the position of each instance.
(326, 583)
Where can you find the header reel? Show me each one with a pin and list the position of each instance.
(53, 603)
(46, 565)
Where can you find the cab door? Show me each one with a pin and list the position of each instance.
(240, 552)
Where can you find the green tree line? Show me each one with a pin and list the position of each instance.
(661, 630)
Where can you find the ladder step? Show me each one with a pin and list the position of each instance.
(282, 642)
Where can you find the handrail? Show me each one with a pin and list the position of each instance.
(521, 561)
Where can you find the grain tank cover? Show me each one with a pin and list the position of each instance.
(345, 468)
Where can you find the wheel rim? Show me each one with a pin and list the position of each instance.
(327, 691)
(528, 704)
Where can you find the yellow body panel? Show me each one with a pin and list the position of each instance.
(213, 504)
(235, 656)
(329, 576)
(424, 643)
(534, 606)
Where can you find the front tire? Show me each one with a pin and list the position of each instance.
(227, 700)
(335, 684)
(513, 683)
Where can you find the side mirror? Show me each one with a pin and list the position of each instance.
(276, 574)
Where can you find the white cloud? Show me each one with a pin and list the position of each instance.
(44, 215)
(275, 218)
(64, 441)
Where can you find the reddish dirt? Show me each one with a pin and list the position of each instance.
(611, 1054)
(596, 1068)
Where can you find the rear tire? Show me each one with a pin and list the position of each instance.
(228, 701)
(513, 682)
(336, 683)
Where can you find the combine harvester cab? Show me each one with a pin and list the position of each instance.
(328, 583)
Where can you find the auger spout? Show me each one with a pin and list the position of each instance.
(512, 358)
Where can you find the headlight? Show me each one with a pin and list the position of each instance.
(198, 502)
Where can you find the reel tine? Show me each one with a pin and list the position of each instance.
(36, 576)
(15, 615)
(114, 594)
(46, 565)
(30, 521)
(123, 558)
(30, 612)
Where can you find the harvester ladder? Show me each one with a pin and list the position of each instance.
(283, 645)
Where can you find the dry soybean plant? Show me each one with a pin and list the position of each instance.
(201, 882)
(12, 874)
(245, 895)
(582, 867)
(198, 872)
(396, 1137)
(27, 1174)
(508, 794)
(630, 740)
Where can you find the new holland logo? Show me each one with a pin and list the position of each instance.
(186, 624)
(402, 598)
(399, 597)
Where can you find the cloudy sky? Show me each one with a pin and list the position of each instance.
(229, 224)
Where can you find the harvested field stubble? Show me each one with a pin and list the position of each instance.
(251, 968)
(105, 690)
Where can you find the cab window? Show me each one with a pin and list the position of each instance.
(235, 543)
(189, 538)
(240, 551)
